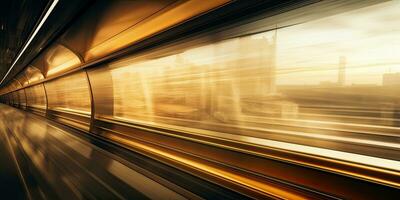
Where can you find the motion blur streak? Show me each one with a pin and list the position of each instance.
(217, 172)
(174, 99)
(77, 169)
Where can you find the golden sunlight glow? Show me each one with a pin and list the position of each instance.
(33, 74)
(322, 74)
(161, 21)
(240, 104)
(69, 93)
(36, 96)
(60, 59)
(262, 187)
(367, 38)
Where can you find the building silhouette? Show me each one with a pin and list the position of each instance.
(342, 71)
(391, 79)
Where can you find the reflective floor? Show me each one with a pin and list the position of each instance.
(202, 100)
(9, 173)
(42, 161)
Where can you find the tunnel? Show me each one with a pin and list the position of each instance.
(199, 99)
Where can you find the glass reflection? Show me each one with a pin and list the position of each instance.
(33, 74)
(60, 59)
(70, 93)
(36, 96)
(22, 98)
(323, 73)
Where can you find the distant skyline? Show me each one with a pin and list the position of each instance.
(369, 38)
(309, 53)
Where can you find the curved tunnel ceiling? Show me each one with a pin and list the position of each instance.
(17, 20)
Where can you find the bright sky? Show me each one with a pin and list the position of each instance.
(308, 53)
(369, 38)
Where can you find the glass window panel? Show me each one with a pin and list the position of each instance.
(9, 98)
(22, 98)
(15, 98)
(36, 97)
(70, 93)
(338, 70)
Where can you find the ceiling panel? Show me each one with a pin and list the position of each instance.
(17, 19)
